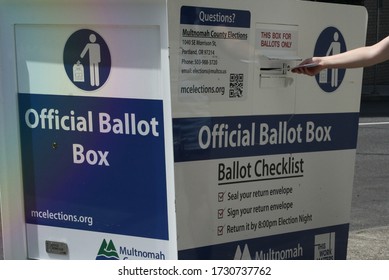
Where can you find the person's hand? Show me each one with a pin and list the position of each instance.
(310, 67)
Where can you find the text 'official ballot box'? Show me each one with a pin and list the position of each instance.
(175, 129)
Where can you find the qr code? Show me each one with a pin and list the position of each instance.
(236, 85)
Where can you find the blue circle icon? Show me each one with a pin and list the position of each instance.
(87, 59)
(330, 42)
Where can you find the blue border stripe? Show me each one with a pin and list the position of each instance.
(343, 132)
(269, 245)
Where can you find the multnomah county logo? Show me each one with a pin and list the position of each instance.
(87, 59)
(107, 251)
(295, 252)
(245, 255)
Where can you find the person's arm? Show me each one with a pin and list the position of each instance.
(360, 57)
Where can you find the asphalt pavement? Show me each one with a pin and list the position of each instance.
(369, 224)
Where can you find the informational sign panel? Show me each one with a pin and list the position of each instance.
(93, 142)
(211, 40)
(259, 176)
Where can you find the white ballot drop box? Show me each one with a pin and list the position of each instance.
(175, 129)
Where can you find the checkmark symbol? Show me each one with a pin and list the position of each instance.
(220, 213)
(220, 196)
(220, 230)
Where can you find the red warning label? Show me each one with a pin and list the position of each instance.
(277, 39)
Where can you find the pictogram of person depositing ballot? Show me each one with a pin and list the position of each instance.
(93, 49)
(87, 59)
(330, 42)
(333, 50)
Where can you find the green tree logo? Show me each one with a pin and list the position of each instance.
(107, 251)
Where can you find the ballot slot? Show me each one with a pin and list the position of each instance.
(274, 71)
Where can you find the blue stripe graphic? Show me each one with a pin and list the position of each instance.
(301, 245)
(243, 136)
